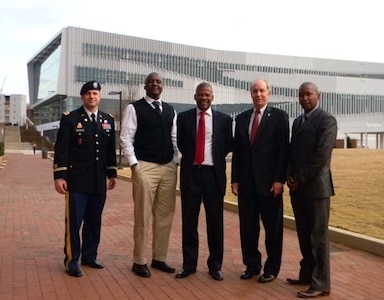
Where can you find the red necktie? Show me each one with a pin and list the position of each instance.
(255, 127)
(200, 140)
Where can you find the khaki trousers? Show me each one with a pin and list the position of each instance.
(154, 195)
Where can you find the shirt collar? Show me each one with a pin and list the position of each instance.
(89, 113)
(261, 109)
(150, 100)
(312, 111)
(208, 111)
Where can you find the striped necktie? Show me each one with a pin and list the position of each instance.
(255, 127)
(156, 103)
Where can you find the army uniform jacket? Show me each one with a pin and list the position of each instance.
(85, 154)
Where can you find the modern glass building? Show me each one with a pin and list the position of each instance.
(352, 91)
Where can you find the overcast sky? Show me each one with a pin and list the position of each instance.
(326, 29)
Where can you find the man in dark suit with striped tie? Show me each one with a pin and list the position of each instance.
(260, 153)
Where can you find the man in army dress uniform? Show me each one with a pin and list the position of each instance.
(85, 155)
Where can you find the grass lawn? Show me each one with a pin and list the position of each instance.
(358, 206)
(358, 176)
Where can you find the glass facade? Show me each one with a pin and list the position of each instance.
(121, 63)
(49, 74)
(214, 71)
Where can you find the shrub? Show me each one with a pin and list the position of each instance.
(349, 142)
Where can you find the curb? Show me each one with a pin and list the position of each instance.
(337, 235)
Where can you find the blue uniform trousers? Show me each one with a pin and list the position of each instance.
(85, 210)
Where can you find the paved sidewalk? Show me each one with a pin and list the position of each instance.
(31, 249)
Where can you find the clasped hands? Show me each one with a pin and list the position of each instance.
(292, 183)
(277, 188)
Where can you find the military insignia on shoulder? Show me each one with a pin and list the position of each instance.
(66, 113)
(110, 115)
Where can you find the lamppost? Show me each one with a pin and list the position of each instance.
(120, 113)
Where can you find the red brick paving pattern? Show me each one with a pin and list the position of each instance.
(31, 249)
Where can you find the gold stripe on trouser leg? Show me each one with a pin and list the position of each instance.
(68, 249)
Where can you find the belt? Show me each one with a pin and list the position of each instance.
(202, 167)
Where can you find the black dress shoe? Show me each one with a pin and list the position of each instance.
(141, 270)
(249, 273)
(74, 272)
(216, 275)
(184, 273)
(265, 278)
(312, 294)
(162, 266)
(298, 281)
(93, 264)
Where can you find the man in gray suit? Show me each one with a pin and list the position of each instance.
(310, 183)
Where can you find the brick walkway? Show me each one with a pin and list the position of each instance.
(31, 247)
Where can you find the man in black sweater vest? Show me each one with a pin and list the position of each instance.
(148, 140)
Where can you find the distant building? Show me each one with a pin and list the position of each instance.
(351, 90)
(13, 109)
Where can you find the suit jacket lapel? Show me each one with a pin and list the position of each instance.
(300, 126)
(264, 119)
(215, 126)
(296, 125)
(192, 120)
(214, 122)
(247, 120)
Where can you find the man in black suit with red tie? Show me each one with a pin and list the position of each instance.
(310, 183)
(260, 153)
(204, 138)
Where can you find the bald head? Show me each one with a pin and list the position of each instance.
(310, 85)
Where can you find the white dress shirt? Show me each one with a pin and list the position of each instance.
(253, 117)
(129, 128)
(208, 158)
